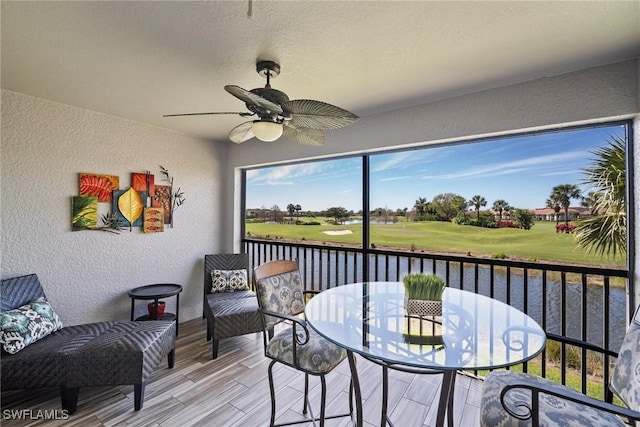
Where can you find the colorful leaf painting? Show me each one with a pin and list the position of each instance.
(130, 205)
(119, 219)
(143, 182)
(162, 199)
(153, 220)
(84, 213)
(100, 186)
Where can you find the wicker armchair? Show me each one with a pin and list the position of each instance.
(228, 314)
(518, 399)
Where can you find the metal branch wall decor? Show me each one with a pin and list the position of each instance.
(143, 205)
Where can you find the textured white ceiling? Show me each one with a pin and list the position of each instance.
(140, 60)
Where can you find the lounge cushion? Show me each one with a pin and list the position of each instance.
(27, 324)
(233, 313)
(44, 363)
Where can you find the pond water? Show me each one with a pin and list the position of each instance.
(552, 298)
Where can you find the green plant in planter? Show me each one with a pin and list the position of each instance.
(423, 286)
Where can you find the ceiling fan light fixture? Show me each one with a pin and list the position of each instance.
(266, 131)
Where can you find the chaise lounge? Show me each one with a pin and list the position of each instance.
(38, 352)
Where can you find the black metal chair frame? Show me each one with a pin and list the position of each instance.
(297, 324)
(528, 410)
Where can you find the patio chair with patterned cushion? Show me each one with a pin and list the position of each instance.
(229, 305)
(518, 399)
(282, 300)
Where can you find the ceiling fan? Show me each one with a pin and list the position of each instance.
(300, 120)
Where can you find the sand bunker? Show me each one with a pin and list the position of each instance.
(337, 232)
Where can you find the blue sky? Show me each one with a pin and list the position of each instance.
(521, 170)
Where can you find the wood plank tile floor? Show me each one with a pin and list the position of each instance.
(233, 391)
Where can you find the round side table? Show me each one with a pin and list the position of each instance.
(155, 292)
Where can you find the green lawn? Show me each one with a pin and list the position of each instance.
(541, 243)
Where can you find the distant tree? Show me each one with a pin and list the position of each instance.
(501, 206)
(477, 202)
(606, 232)
(339, 214)
(447, 205)
(264, 213)
(421, 206)
(562, 195)
(298, 210)
(554, 204)
(507, 211)
(275, 211)
(386, 214)
(291, 208)
(592, 201)
(524, 218)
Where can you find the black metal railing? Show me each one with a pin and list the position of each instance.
(583, 310)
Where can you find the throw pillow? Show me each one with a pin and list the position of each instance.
(229, 280)
(27, 324)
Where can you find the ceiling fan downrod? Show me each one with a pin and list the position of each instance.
(268, 69)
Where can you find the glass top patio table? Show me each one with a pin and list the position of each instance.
(473, 332)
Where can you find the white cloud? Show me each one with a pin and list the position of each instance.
(551, 160)
(283, 175)
(392, 160)
(395, 178)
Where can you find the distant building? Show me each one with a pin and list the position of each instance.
(548, 214)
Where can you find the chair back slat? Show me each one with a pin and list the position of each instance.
(625, 381)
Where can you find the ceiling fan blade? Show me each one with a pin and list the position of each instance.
(301, 135)
(253, 99)
(312, 114)
(242, 114)
(241, 133)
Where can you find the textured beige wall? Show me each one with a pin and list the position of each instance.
(87, 274)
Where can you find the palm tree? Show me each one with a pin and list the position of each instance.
(591, 202)
(477, 202)
(554, 204)
(421, 206)
(562, 195)
(606, 232)
(500, 206)
(298, 209)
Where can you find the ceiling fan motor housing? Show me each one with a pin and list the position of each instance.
(273, 95)
(268, 69)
